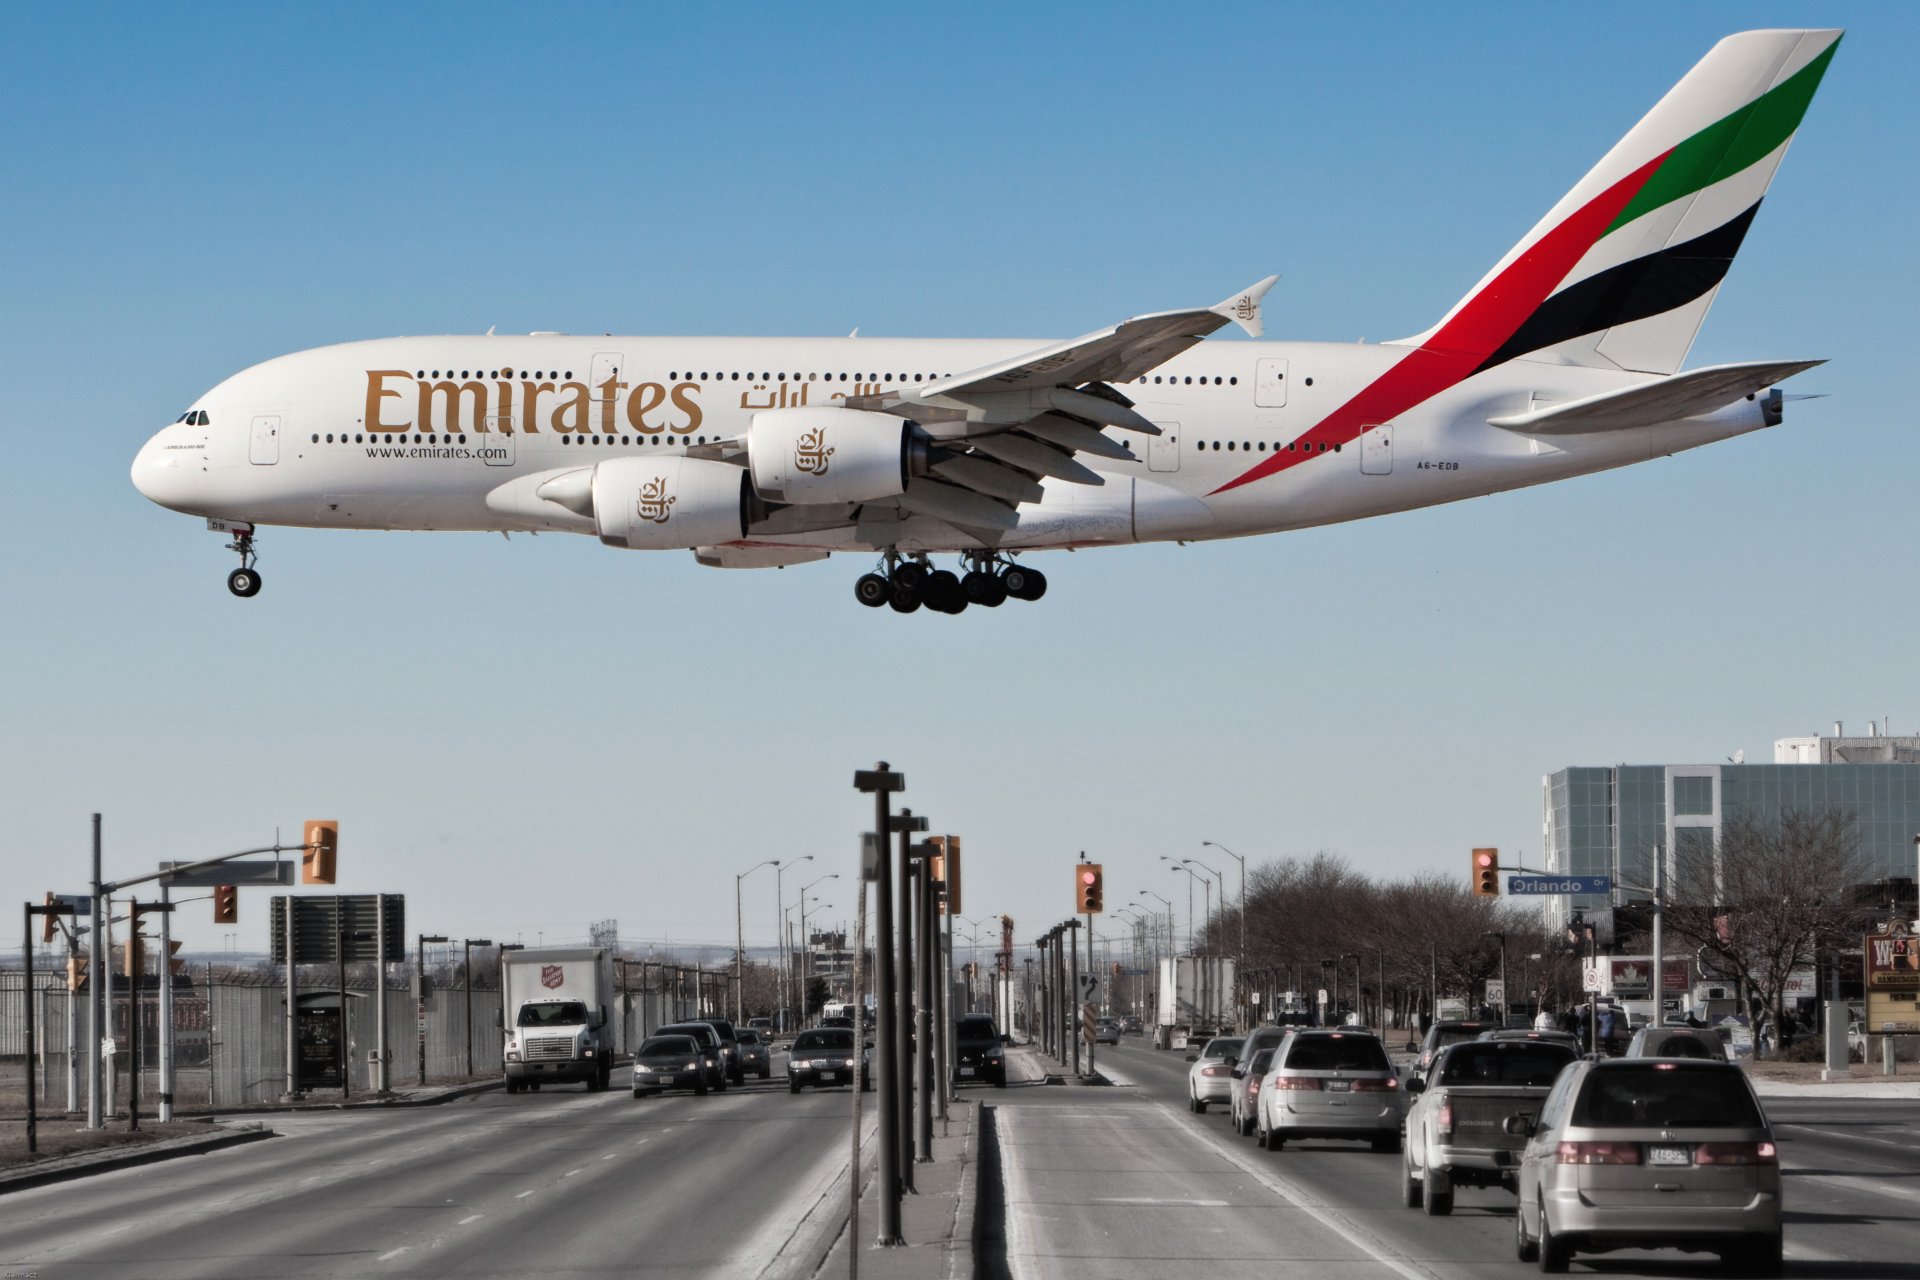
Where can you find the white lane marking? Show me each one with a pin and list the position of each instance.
(523, 1195)
(1165, 1202)
(569, 1173)
(1863, 1182)
(393, 1253)
(470, 1218)
(611, 1154)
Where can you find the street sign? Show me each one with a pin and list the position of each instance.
(1589, 975)
(235, 873)
(339, 927)
(1089, 987)
(1524, 885)
(869, 856)
(1496, 992)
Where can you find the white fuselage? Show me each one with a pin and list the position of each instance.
(456, 433)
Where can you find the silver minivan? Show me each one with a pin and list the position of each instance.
(1649, 1153)
(1329, 1084)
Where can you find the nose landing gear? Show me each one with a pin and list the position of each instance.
(907, 584)
(244, 581)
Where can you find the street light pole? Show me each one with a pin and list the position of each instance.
(420, 990)
(1206, 887)
(467, 967)
(800, 980)
(740, 942)
(1240, 963)
(780, 928)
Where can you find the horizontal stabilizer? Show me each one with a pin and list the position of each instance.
(1684, 395)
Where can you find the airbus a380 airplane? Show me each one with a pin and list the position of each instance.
(755, 452)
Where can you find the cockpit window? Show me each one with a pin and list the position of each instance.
(201, 419)
(193, 418)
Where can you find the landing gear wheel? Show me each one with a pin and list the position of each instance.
(872, 590)
(1024, 584)
(904, 599)
(984, 589)
(911, 574)
(244, 583)
(942, 593)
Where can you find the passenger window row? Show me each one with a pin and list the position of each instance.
(1248, 446)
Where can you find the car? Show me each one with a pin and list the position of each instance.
(1327, 1083)
(1246, 1088)
(837, 1020)
(1106, 1031)
(1210, 1078)
(763, 1025)
(669, 1062)
(729, 1048)
(1455, 1130)
(979, 1052)
(823, 1055)
(1566, 1038)
(1677, 1042)
(709, 1041)
(1650, 1153)
(756, 1052)
(1442, 1034)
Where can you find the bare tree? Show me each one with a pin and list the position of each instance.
(1772, 896)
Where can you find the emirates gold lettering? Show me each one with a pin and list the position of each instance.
(574, 412)
(530, 404)
(810, 452)
(452, 396)
(646, 397)
(683, 400)
(654, 504)
(609, 392)
(377, 394)
(421, 404)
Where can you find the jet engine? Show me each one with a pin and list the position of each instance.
(659, 504)
(830, 454)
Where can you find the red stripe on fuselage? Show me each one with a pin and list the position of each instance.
(1476, 331)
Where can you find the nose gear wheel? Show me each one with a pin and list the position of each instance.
(244, 581)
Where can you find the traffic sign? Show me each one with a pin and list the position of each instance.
(1523, 885)
(1589, 975)
(1496, 992)
(1089, 987)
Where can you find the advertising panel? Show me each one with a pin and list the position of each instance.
(1892, 969)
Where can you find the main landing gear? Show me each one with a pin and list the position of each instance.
(244, 581)
(989, 581)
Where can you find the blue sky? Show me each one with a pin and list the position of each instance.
(525, 736)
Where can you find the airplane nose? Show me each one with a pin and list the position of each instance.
(166, 470)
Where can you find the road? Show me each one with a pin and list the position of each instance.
(559, 1184)
(1125, 1182)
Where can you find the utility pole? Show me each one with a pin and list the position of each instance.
(881, 782)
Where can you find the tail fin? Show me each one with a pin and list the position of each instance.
(1621, 272)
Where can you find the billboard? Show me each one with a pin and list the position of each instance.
(1891, 966)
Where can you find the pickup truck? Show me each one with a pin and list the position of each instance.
(1456, 1132)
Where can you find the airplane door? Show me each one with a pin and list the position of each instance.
(498, 443)
(1376, 450)
(264, 448)
(1270, 384)
(606, 369)
(1163, 450)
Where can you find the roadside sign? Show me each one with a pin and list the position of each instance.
(1522, 886)
(1496, 992)
(1089, 987)
(1590, 975)
(1253, 997)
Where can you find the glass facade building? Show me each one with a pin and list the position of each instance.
(1609, 821)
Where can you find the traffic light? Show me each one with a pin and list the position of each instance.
(322, 842)
(175, 965)
(135, 954)
(950, 865)
(47, 923)
(1090, 887)
(226, 904)
(76, 972)
(1486, 873)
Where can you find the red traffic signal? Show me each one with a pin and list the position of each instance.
(1087, 881)
(226, 904)
(1486, 873)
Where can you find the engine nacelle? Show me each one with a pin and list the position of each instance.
(829, 454)
(669, 503)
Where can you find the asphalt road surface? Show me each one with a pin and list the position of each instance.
(560, 1183)
(1125, 1182)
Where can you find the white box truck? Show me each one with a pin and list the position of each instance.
(557, 1006)
(1196, 998)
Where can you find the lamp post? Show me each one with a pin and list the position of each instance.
(466, 966)
(1501, 939)
(1240, 961)
(740, 942)
(1206, 887)
(1168, 902)
(420, 992)
(800, 994)
(780, 926)
(1359, 1007)
(1327, 974)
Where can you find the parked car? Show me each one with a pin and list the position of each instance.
(756, 1053)
(1210, 1078)
(978, 1051)
(708, 1039)
(1650, 1153)
(1456, 1133)
(669, 1062)
(1246, 1088)
(1677, 1042)
(1325, 1083)
(1442, 1034)
(823, 1055)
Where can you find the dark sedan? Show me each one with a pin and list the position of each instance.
(756, 1053)
(669, 1062)
(821, 1055)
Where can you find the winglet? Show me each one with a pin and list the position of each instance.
(1243, 308)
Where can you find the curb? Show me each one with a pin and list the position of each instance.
(86, 1165)
(383, 1104)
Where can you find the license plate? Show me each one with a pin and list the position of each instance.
(966, 1071)
(1339, 1086)
(1669, 1155)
